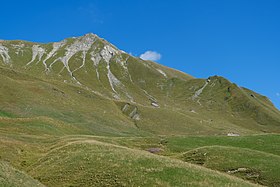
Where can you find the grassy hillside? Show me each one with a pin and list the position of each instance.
(24, 95)
(254, 157)
(249, 164)
(58, 159)
(80, 112)
(89, 162)
(84, 161)
(11, 177)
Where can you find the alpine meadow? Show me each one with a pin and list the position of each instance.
(81, 112)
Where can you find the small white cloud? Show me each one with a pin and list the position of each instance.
(151, 55)
(278, 94)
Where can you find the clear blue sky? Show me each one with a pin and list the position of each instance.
(238, 39)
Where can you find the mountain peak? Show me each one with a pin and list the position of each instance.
(89, 35)
(94, 64)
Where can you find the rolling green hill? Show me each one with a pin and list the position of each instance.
(81, 112)
(10, 177)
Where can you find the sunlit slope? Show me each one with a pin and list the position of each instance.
(46, 150)
(89, 82)
(93, 163)
(246, 163)
(11, 177)
(23, 95)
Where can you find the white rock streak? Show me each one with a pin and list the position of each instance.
(112, 79)
(107, 53)
(96, 58)
(162, 72)
(97, 74)
(18, 48)
(84, 61)
(150, 97)
(50, 66)
(36, 51)
(198, 92)
(82, 44)
(56, 47)
(4, 52)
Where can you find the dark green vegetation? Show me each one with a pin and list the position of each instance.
(83, 113)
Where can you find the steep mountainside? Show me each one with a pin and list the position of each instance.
(67, 80)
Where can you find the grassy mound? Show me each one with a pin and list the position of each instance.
(93, 163)
(256, 166)
(11, 177)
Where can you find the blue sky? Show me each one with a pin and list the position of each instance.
(238, 39)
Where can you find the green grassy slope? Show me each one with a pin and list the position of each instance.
(254, 158)
(249, 164)
(80, 112)
(59, 160)
(55, 158)
(11, 177)
(89, 162)
(101, 71)
(24, 95)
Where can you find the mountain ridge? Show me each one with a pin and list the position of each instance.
(133, 84)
